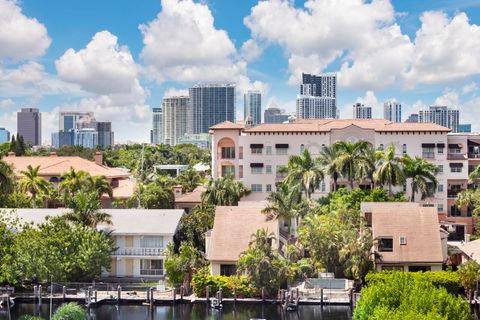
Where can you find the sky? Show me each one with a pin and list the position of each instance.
(119, 58)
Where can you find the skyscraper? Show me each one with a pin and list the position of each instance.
(29, 125)
(211, 104)
(462, 127)
(318, 96)
(392, 111)
(156, 135)
(441, 115)
(273, 114)
(412, 118)
(4, 135)
(252, 106)
(361, 112)
(106, 137)
(176, 118)
(68, 119)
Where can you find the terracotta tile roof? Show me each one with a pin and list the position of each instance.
(471, 249)
(125, 189)
(191, 197)
(419, 225)
(326, 125)
(227, 125)
(56, 166)
(232, 231)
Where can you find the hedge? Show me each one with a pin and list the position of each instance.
(449, 280)
(242, 285)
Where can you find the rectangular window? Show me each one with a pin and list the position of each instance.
(256, 187)
(240, 152)
(228, 153)
(428, 153)
(440, 168)
(228, 270)
(455, 169)
(440, 150)
(257, 170)
(440, 188)
(240, 171)
(151, 242)
(454, 150)
(257, 150)
(228, 171)
(282, 151)
(151, 267)
(269, 188)
(440, 207)
(268, 169)
(404, 187)
(404, 148)
(268, 149)
(385, 244)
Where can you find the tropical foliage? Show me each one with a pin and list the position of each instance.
(224, 191)
(390, 172)
(86, 210)
(32, 183)
(194, 224)
(422, 174)
(180, 266)
(241, 285)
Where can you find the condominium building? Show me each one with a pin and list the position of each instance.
(392, 111)
(252, 106)
(255, 155)
(176, 118)
(441, 115)
(4, 135)
(361, 112)
(412, 118)
(318, 97)
(272, 114)
(29, 125)
(211, 104)
(156, 134)
(106, 137)
(201, 140)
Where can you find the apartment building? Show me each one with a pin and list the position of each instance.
(255, 155)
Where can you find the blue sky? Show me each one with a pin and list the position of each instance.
(119, 58)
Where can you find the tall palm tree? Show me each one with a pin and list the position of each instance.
(86, 210)
(366, 168)
(390, 171)
(100, 185)
(469, 199)
(423, 174)
(327, 159)
(6, 178)
(33, 183)
(74, 181)
(305, 171)
(189, 180)
(350, 157)
(283, 204)
(224, 191)
(475, 174)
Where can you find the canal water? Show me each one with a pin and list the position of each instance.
(197, 312)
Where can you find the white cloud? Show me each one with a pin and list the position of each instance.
(173, 92)
(468, 88)
(6, 103)
(20, 37)
(251, 50)
(449, 98)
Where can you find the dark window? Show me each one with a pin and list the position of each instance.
(228, 270)
(228, 153)
(419, 268)
(385, 244)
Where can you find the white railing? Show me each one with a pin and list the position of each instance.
(137, 251)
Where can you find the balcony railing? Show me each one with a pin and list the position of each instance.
(151, 272)
(284, 234)
(474, 155)
(453, 193)
(456, 156)
(137, 251)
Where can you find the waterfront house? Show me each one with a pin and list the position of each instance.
(188, 200)
(141, 236)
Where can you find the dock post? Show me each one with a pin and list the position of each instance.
(321, 296)
(35, 292)
(40, 295)
(234, 295)
(282, 296)
(207, 290)
(351, 297)
(119, 293)
(148, 295)
(96, 295)
(181, 293)
(152, 301)
(220, 296)
(174, 295)
(297, 297)
(64, 292)
(263, 294)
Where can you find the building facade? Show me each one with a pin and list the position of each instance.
(4, 135)
(392, 111)
(106, 137)
(441, 115)
(361, 112)
(412, 118)
(318, 97)
(29, 125)
(211, 104)
(156, 134)
(201, 140)
(177, 119)
(464, 127)
(255, 155)
(252, 106)
(273, 114)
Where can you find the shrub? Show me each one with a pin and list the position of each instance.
(241, 284)
(69, 311)
(404, 295)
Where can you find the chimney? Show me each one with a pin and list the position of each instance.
(53, 154)
(99, 158)
(11, 154)
(177, 190)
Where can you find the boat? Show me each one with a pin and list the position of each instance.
(4, 304)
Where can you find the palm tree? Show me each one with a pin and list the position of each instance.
(366, 169)
(350, 157)
(305, 171)
(469, 199)
(74, 181)
(6, 178)
(33, 183)
(327, 160)
(283, 204)
(189, 180)
(475, 174)
(423, 175)
(86, 210)
(390, 171)
(224, 191)
(100, 185)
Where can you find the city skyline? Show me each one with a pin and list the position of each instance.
(36, 69)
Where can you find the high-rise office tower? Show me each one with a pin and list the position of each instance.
(29, 125)
(361, 112)
(412, 118)
(4, 135)
(252, 106)
(462, 127)
(156, 135)
(68, 119)
(392, 111)
(318, 96)
(273, 114)
(177, 118)
(106, 137)
(441, 115)
(211, 104)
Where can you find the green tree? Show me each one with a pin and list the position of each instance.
(350, 157)
(6, 178)
(180, 266)
(73, 181)
(305, 171)
(100, 185)
(366, 168)
(86, 210)
(33, 183)
(69, 311)
(194, 224)
(189, 180)
(327, 159)
(469, 273)
(423, 174)
(475, 174)
(224, 191)
(157, 194)
(390, 171)
(469, 199)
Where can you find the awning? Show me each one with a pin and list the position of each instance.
(456, 165)
(440, 145)
(281, 145)
(428, 145)
(454, 146)
(256, 146)
(256, 165)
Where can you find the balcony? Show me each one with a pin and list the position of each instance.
(473, 155)
(456, 156)
(151, 272)
(137, 251)
(454, 193)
